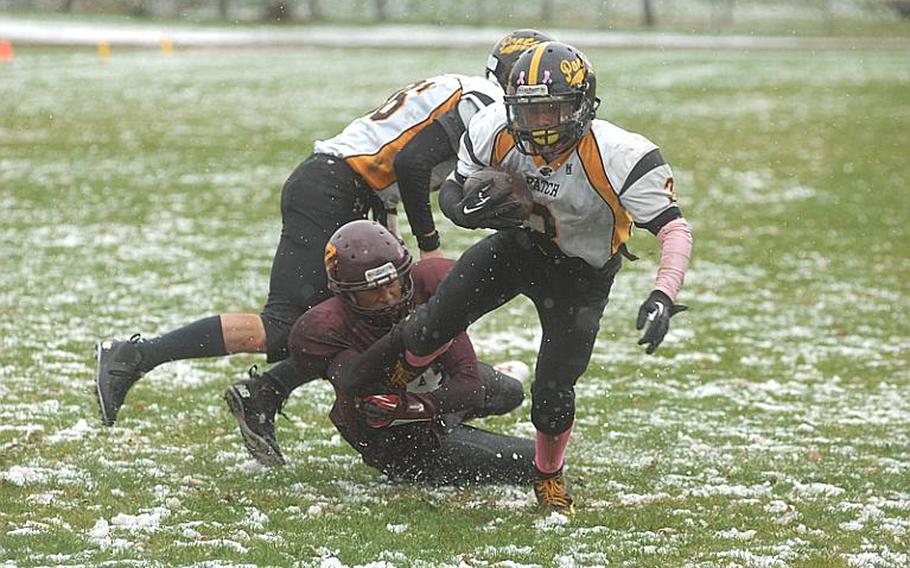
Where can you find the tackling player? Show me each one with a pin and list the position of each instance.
(410, 430)
(591, 181)
(390, 152)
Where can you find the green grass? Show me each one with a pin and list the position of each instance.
(771, 429)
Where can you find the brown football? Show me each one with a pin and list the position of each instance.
(494, 182)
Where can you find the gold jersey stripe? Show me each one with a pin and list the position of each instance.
(502, 145)
(593, 165)
(377, 169)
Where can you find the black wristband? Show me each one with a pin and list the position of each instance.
(428, 242)
(661, 296)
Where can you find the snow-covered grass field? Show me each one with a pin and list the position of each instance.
(771, 429)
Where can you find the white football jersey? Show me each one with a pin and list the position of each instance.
(587, 199)
(370, 143)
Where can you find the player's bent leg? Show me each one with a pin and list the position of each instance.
(469, 455)
(122, 363)
(254, 403)
(502, 393)
(490, 265)
(553, 414)
(243, 333)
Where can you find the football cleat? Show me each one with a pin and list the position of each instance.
(551, 493)
(118, 370)
(254, 406)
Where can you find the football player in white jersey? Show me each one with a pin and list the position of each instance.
(389, 152)
(591, 181)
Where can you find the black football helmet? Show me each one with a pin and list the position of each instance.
(507, 50)
(550, 99)
(363, 255)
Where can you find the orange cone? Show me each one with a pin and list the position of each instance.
(6, 51)
(167, 46)
(104, 50)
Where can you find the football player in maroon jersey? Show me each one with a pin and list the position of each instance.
(408, 429)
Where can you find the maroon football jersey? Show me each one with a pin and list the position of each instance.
(332, 331)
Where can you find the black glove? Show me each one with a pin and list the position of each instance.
(486, 208)
(387, 410)
(656, 311)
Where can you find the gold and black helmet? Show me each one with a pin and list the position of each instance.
(550, 98)
(507, 50)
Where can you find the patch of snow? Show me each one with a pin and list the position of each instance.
(551, 521)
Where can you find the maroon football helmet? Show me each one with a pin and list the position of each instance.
(363, 255)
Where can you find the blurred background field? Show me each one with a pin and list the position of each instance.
(774, 17)
(771, 429)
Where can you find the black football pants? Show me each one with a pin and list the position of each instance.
(455, 454)
(322, 194)
(570, 296)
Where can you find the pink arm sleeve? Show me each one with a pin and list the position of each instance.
(675, 240)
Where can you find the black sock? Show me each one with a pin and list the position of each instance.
(284, 375)
(202, 338)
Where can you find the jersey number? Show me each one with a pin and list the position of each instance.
(396, 101)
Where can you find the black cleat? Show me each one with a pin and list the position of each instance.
(551, 493)
(118, 370)
(254, 405)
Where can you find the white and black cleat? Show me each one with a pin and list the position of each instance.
(118, 370)
(256, 418)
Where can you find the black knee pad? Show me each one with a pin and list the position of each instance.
(502, 393)
(552, 410)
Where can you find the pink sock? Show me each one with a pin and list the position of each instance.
(551, 450)
(424, 360)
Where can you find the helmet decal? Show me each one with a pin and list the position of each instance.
(331, 256)
(547, 80)
(574, 70)
(517, 44)
(508, 50)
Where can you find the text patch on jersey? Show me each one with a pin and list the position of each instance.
(542, 186)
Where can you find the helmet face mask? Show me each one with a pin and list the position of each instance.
(550, 99)
(364, 256)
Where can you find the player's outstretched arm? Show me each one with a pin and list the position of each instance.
(413, 168)
(675, 239)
